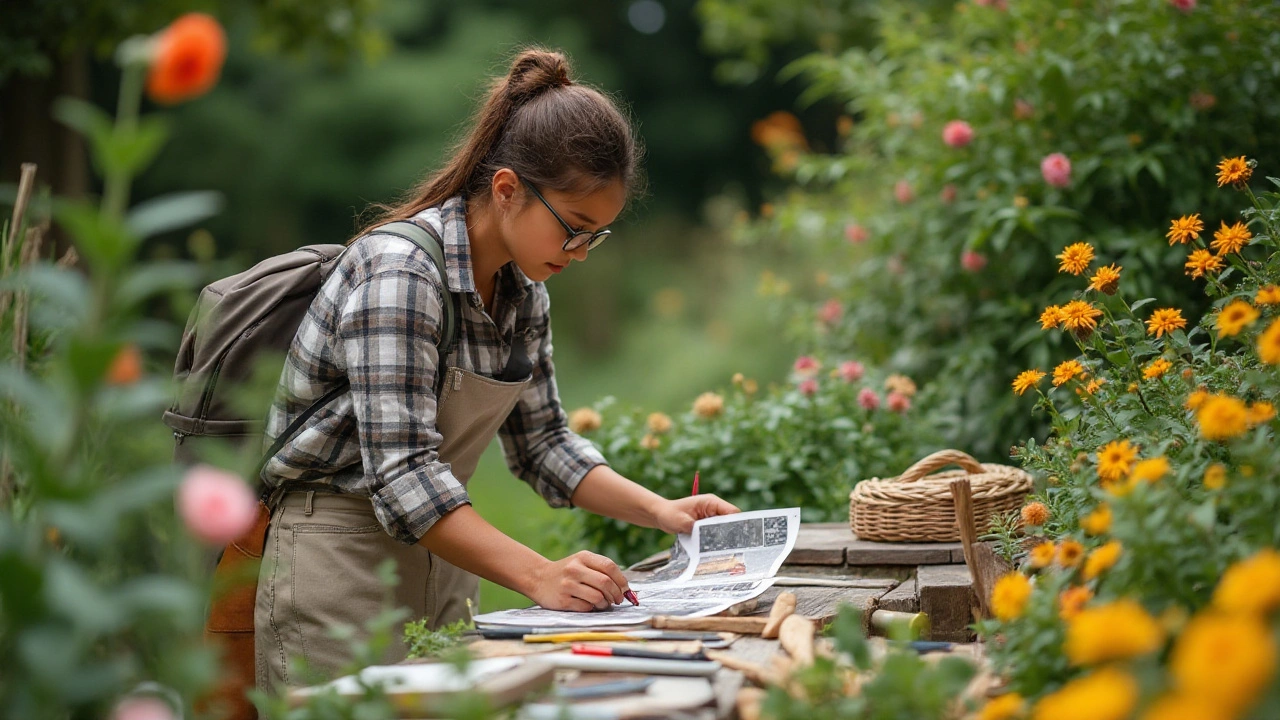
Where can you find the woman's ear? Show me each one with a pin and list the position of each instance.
(504, 187)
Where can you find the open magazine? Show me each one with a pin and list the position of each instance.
(724, 561)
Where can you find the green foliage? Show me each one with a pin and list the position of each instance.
(426, 643)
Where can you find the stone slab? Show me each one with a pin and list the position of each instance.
(903, 598)
(946, 596)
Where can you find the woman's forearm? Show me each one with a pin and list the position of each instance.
(604, 492)
(465, 539)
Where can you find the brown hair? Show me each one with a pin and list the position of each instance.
(553, 132)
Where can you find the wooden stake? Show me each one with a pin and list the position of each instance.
(783, 607)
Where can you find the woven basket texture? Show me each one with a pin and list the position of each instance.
(916, 506)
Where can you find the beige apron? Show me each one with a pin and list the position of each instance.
(320, 562)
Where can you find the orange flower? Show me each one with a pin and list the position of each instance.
(1234, 171)
(1261, 412)
(1185, 229)
(1080, 317)
(1041, 555)
(1066, 371)
(1156, 369)
(1051, 317)
(1069, 553)
(1115, 460)
(1106, 279)
(1215, 477)
(1269, 344)
(1196, 399)
(1233, 318)
(1202, 262)
(1076, 258)
(188, 59)
(1072, 601)
(1229, 239)
(126, 367)
(1165, 320)
(1035, 513)
(1026, 380)
(1269, 295)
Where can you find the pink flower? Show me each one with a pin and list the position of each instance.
(949, 193)
(972, 261)
(1023, 110)
(898, 402)
(851, 371)
(902, 192)
(957, 133)
(807, 366)
(142, 707)
(1056, 169)
(217, 506)
(831, 311)
(855, 233)
(1185, 6)
(808, 387)
(868, 399)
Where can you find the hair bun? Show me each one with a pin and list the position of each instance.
(535, 71)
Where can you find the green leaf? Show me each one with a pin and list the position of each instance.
(173, 211)
(142, 282)
(128, 151)
(1140, 303)
(849, 638)
(102, 240)
(66, 291)
(85, 118)
(70, 592)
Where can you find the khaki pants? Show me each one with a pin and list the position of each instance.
(319, 569)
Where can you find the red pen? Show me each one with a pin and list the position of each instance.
(695, 482)
(615, 651)
(631, 596)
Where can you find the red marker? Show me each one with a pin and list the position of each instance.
(631, 596)
(603, 650)
(695, 482)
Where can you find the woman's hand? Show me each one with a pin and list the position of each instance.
(582, 582)
(678, 516)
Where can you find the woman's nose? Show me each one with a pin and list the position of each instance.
(579, 254)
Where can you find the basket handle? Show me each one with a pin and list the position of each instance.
(939, 460)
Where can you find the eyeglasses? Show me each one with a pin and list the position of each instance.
(577, 238)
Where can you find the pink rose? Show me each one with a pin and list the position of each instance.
(972, 261)
(807, 366)
(1056, 169)
(902, 192)
(216, 506)
(868, 399)
(957, 133)
(898, 402)
(831, 311)
(1185, 6)
(142, 707)
(1023, 110)
(855, 233)
(949, 193)
(851, 371)
(808, 387)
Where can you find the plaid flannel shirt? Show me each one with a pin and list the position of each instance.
(377, 320)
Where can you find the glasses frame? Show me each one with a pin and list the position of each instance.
(591, 239)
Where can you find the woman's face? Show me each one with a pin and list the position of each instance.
(535, 238)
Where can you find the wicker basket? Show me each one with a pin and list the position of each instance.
(917, 506)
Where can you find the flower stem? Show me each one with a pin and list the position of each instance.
(115, 196)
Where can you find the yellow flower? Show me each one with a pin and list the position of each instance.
(1180, 706)
(1080, 316)
(708, 405)
(1114, 459)
(1005, 707)
(1067, 370)
(1115, 631)
(1202, 262)
(1234, 171)
(1269, 295)
(900, 383)
(659, 423)
(1230, 238)
(1269, 344)
(1150, 470)
(1260, 412)
(1041, 555)
(1215, 477)
(1051, 317)
(1009, 596)
(1035, 513)
(1251, 585)
(1226, 659)
(1222, 417)
(1101, 559)
(1196, 399)
(1098, 521)
(1157, 368)
(585, 420)
(737, 379)
(1106, 279)
(1107, 694)
(1069, 553)
(1165, 320)
(1093, 385)
(1072, 600)
(650, 442)
(1026, 380)
(750, 386)
(1076, 258)
(1233, 318)
(1185, 229)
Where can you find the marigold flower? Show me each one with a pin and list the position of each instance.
(1233, 318)
(1222, 417)
(1261, 412)
(126, 366)
(188, 59)
(1185, 229)
(1069, 553)
(1106, 280)
(1106, 694)
(1005, 707)
(1093, 386)
(1056, 170)
(1269, 344)
(1150, 470)
(585, 420)
(1098, 521)
(1227, 659)
(1035, 513)
(957, 133)
(1072, 600)
(1076, 258)
(1196, 399)
(1051, 317)
(1234, 171)
(1009, 596)
(1215, 477)
(1102, 559)
(708, 405)
(1114, 631)
(1251, 585)
(1042, 555)
(1165, 320)
(1066, 371)
(1115, 458)
(1201, 263)
(1081, 317)
(1269, 295)
(1156, 369)
(650, 442)
(1230, 238)
(659, 423)
(1026, 380)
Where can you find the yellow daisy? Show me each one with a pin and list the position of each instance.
(1202, 262)
(1069, 553)
(1156, 369)
(1185, 229)
(1066, 371)
(1165, 320)
(1222, 417)
(1080, 316)
(1076, 258)
(1026, 380)
(1106, 279)
(1230, 238)
(1150, 470)
(1261, 412)
(1233, 318)
(1269, 295)
(1041, 555)
(1072, 600)
(1234, 171)
(1269, 344)
(1215, 477)
(1115, 458)
(1051, 317)
(1196, 399)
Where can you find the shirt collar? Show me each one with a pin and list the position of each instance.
(452, 223)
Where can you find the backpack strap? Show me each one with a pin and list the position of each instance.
(429, 240)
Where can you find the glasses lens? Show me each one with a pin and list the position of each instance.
(597, 239)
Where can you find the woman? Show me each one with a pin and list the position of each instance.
(380, 471)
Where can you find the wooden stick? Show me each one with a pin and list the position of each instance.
(740, 625)
(783, 607)
(749, 701)
(755, 672)
(796, 637)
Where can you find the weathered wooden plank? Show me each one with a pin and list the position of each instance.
(821, 603)
(946, 596)
(820, 544)
(902, 598)
(863, 552)
(727, 682)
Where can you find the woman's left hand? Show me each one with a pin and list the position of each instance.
(678, 516)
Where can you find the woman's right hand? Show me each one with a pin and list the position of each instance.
(582, 582)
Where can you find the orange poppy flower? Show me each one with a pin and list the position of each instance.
(188, 59)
